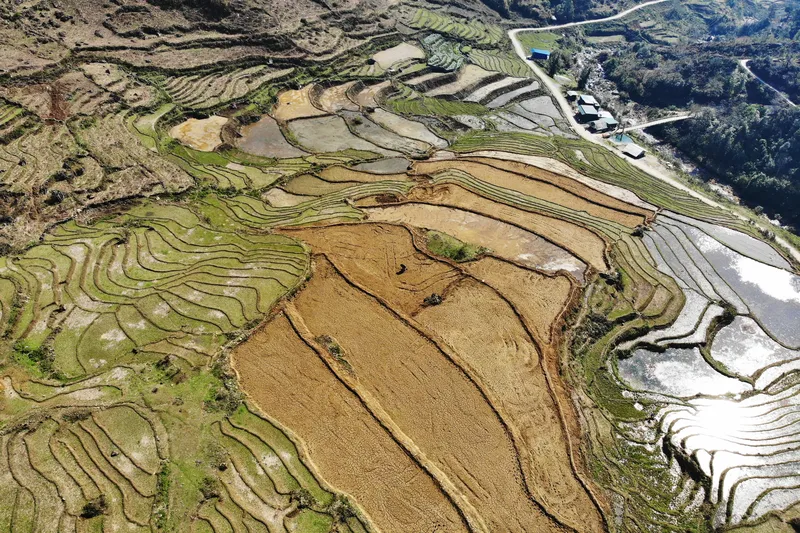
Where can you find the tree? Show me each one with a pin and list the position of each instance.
(583, 77)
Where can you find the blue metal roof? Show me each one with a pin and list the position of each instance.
(540, 52)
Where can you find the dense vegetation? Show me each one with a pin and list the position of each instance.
(755, 148)
(664, 77)
(783, 74)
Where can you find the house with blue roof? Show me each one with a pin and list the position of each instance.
(538, 53)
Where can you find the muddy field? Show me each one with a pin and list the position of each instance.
(331, 134)
(265, 138)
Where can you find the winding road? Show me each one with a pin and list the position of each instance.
(642, 164)
(743, 64)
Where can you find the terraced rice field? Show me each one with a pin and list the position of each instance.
(474, 30)
(329, 302)
(202, 91)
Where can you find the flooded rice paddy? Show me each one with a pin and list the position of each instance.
(728, 388)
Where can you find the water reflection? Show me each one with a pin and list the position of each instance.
(667, 373)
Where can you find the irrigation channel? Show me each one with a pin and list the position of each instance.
(726, 370)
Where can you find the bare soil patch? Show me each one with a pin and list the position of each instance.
(293, 104)
(346, 445)
(201, 134)
(552, 165)
(402, 52)
(571, 184)
(581, 242)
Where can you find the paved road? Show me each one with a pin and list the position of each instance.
(743, 64)
(555, 90)
(657, 122)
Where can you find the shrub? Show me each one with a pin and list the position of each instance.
(94, 507)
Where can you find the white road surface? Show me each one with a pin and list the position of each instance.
(743, 64)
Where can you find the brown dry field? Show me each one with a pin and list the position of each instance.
(430, 399)
(345, 443)
(502, 239)
(568, 183)
(337, 173)
(293, 104)
(580, 241)
(485, 331)
(371, 265)
(478, 324)
(538, 298)
(203, 135)
(582, 199)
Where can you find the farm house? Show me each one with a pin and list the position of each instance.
(538, 53)
(587, 112)
(608, 118)
(633, 151)
(588, 99)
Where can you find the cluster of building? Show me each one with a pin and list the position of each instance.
(599, 120)
(589, 111)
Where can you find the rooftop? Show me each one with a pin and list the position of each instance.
(633, 150)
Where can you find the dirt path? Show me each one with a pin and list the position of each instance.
(644, 164)
(743, 64)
